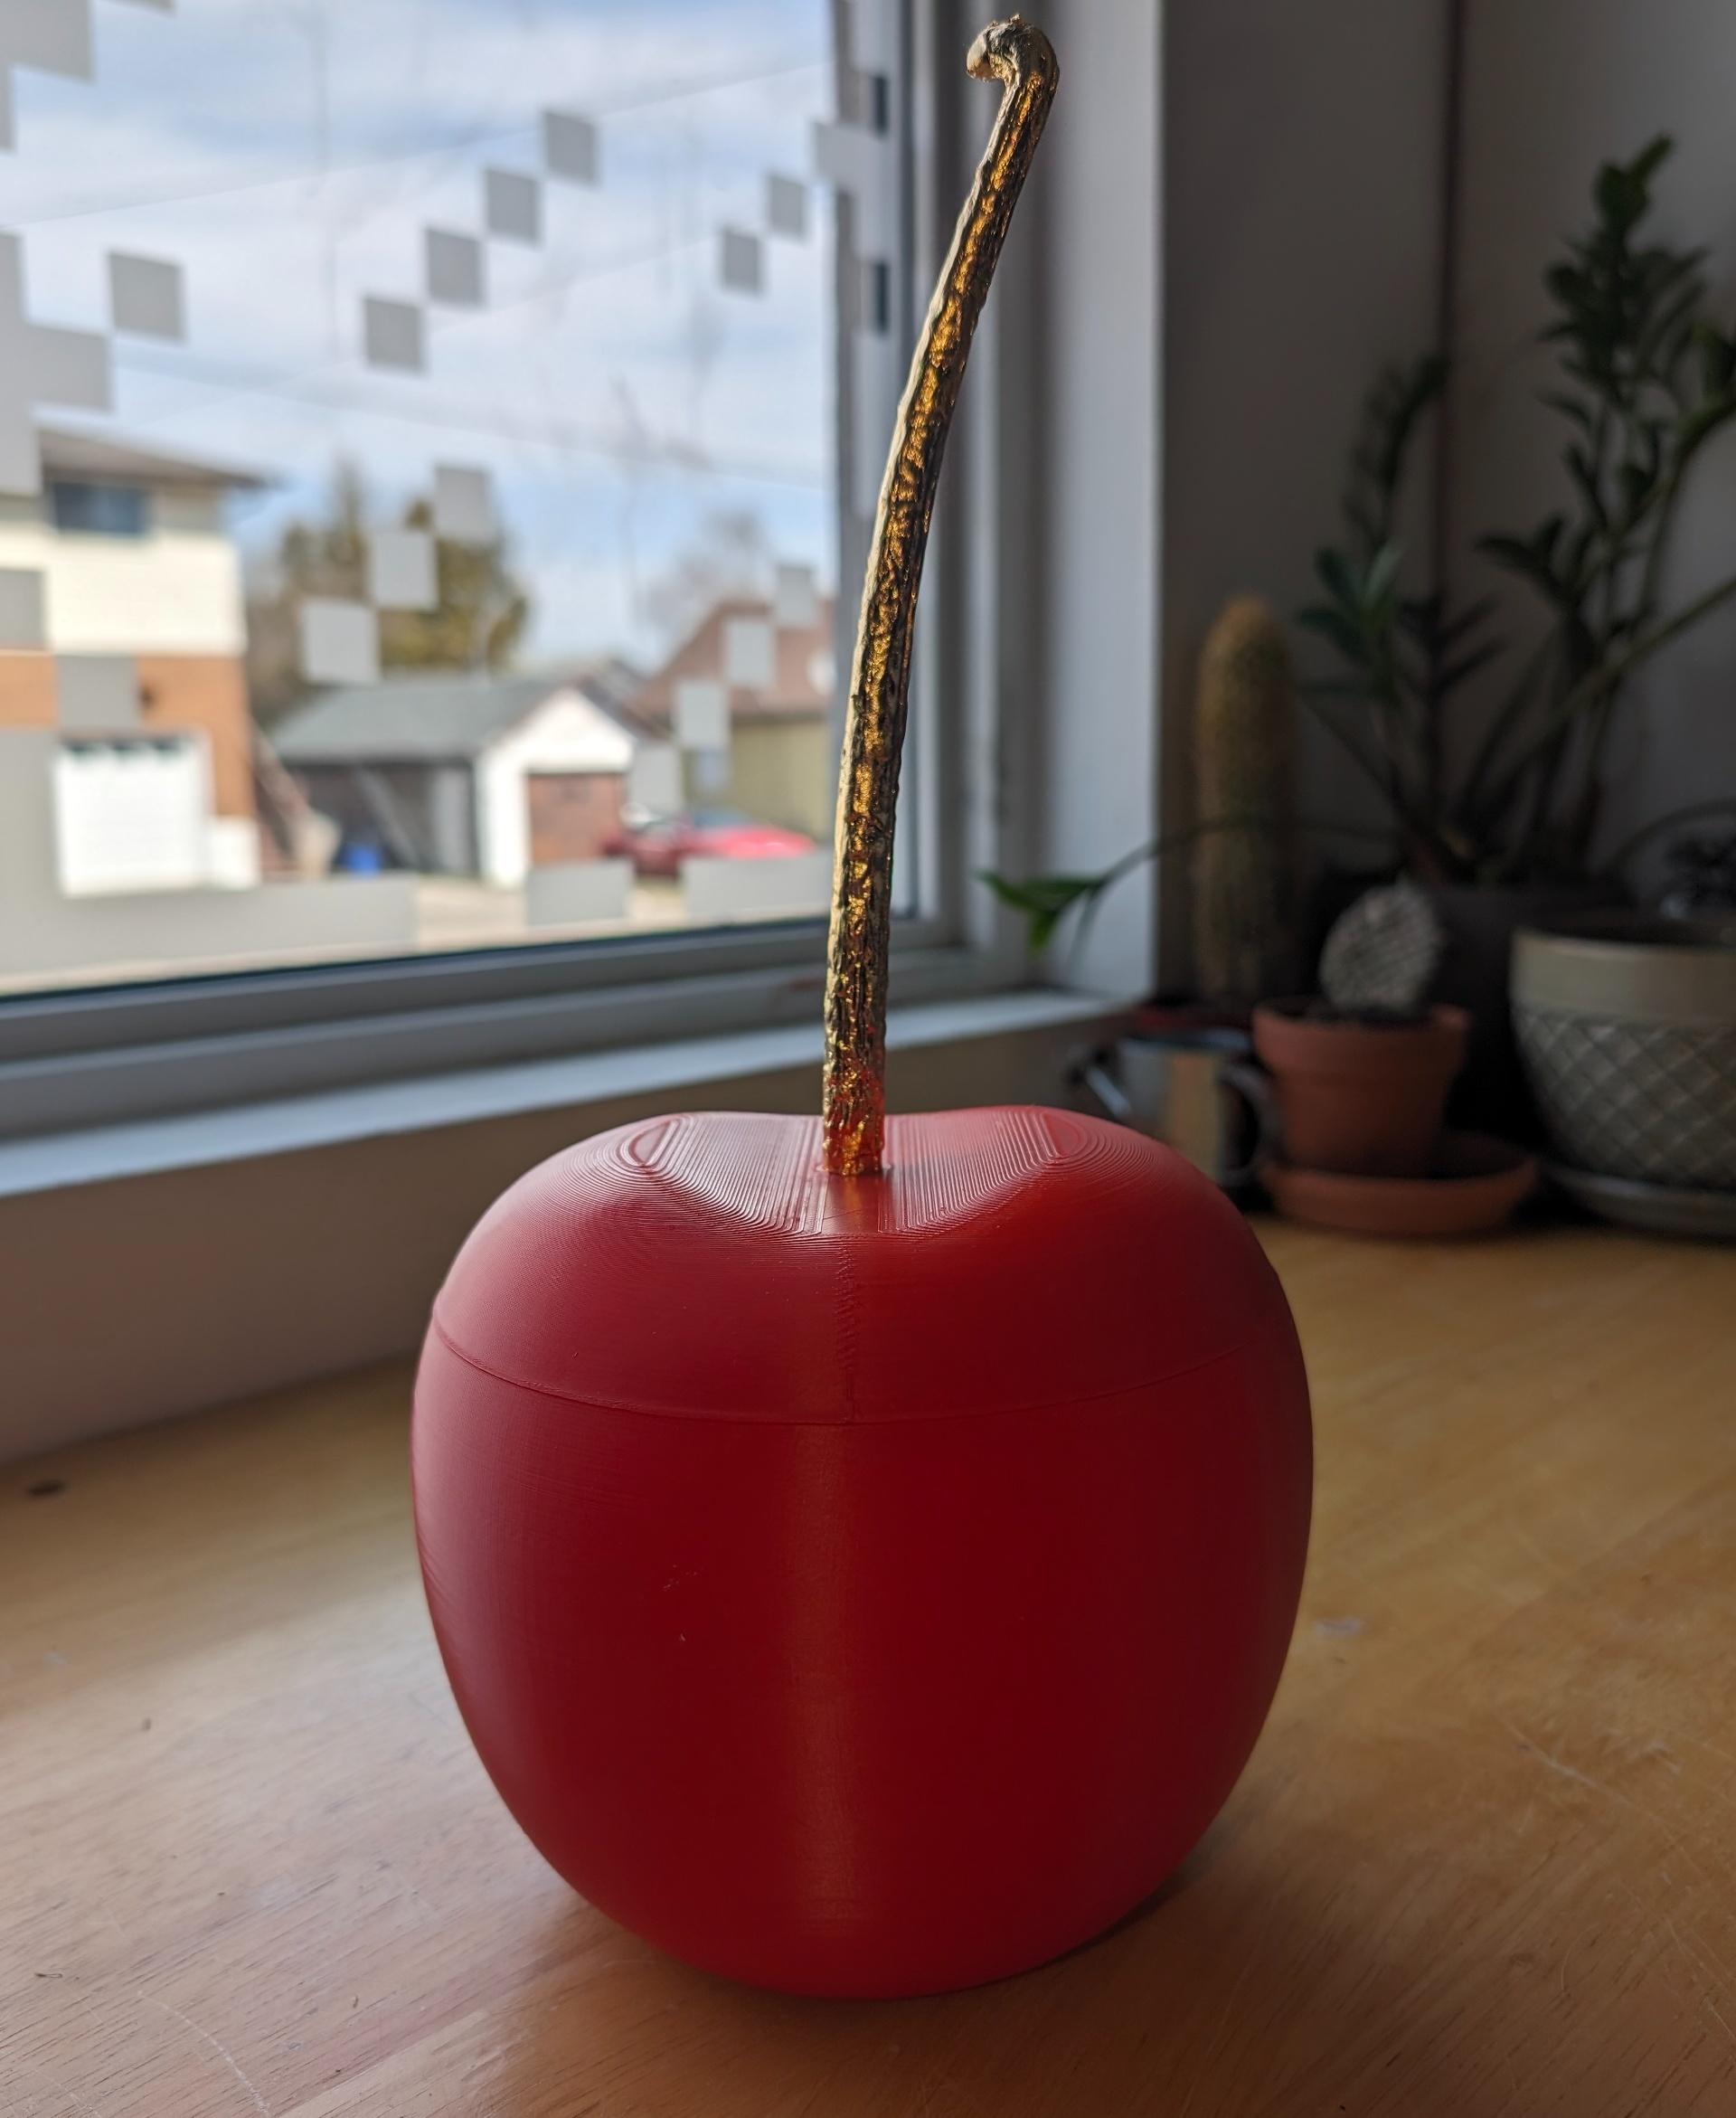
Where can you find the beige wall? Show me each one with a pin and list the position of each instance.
(1552, 88)
(176, 590)
(781, 771)
(1303, 212)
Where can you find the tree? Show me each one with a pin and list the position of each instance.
(728, 558)
(476, 623)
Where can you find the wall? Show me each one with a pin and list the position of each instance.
(781, 771)
(204, 695)
(1553, 87)
(176, 590)
(1083, 624)
(1303, 201)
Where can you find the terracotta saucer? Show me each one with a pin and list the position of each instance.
(1476, 1182)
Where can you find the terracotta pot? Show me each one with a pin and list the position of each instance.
(1365, 1100)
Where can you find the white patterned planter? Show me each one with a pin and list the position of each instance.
(1628, 1031)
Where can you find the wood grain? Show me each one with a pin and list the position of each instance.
(1484, 1860)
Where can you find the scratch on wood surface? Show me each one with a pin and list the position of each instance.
(62, 2088)
(1560, 1766)
(221, 2050)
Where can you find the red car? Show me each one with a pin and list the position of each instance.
(658, 846)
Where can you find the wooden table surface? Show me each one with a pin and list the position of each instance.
(1483, 1859)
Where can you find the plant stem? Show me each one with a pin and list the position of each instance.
(853, 1104)
(1580, 693)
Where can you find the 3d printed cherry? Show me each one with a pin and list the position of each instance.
(863, 1552)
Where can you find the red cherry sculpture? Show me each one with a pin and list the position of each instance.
(863, 1554)
(856, 1589)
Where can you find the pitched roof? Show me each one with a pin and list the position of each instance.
(69, 455)
(413, 718)
(802, 680)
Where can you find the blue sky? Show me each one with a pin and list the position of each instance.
(289, 154)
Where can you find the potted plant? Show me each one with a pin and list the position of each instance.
(1501, 826)
(1362, 1072)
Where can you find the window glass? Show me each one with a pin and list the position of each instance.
(103, 511)
(419, 499)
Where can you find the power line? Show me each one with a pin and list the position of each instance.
(235, 379)
(452, 415)
(460, 146)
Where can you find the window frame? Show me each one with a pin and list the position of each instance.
(76, 1057)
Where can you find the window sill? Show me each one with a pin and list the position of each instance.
(156, 1267)
(426, 1103)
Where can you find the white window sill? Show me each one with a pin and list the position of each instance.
(156, 1267)
(284, 1125)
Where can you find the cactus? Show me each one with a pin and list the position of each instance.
(1382, 955)
(1245, 872)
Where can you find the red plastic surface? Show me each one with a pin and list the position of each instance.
(864, 1587)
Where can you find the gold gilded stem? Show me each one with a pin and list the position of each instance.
(1021, 59)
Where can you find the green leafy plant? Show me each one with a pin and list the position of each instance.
(1646, 381)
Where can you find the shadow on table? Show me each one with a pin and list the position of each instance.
(1185, 2004)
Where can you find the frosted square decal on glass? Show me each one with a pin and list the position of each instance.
(566, 893)
(796, 885)
(570, 146)
(98, 693)
(512, 205)
(741, 260)
(796, 599)
(455, 271)
(144, 296)
(22, 606)
(860, 162)
(464, 504)
(654, 779)
(749, 653)
(52, 35)
(340, 641)
(710, 771)
(786, 205)
(69, 367)
(392, 334)
(402, 574)
(701, 714)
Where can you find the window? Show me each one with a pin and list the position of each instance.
(503, 444)
(101, 511)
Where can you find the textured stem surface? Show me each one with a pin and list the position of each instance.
(1021, 59)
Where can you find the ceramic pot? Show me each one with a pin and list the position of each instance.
(1362, 1100)
(1627, 1029)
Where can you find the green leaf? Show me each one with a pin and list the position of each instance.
(1451, 675)
(1717, 356)
(1571, 408)
(1338, 577)
(1344, 632)
(1044, 900)
(1382, 575)
(1650, 160)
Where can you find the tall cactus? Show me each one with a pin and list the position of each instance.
(1244, 865)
